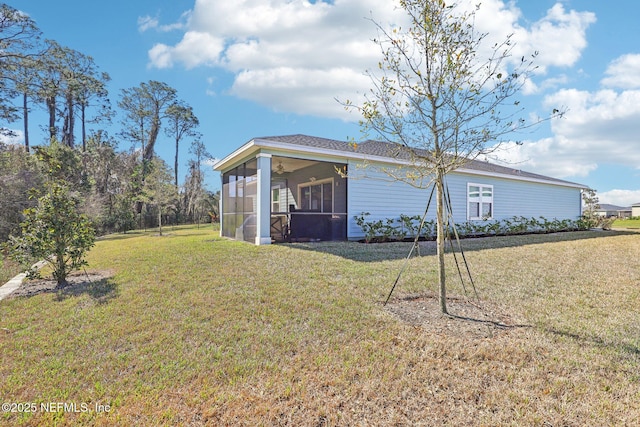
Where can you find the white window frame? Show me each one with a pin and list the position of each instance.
(318, 182)
(481, 199)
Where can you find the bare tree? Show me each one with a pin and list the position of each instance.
(441, 100)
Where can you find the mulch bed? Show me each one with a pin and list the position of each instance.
(473, 318)
(78, 282)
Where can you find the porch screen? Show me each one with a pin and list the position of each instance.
(239, 194)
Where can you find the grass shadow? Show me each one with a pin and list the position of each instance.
(489, 322)
(389, 251)
(632, 350)
(168, 232)
(121, 236)
(101, 290)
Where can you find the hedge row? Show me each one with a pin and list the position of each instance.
(405, 226)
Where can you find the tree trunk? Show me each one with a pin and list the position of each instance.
(153, 136)
(175, 164)
(70, 123)
(25, 115)
(440, 236)
(51, 108)
(60, 274)
(84, 129)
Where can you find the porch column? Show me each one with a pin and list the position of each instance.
(221, 205)
(263, 200)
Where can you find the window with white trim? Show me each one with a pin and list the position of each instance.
(479, 201)
(316, 196)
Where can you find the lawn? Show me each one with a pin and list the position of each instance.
(191, 329)
(627, 223)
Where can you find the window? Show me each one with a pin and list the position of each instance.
(479, 201)
(317, 196)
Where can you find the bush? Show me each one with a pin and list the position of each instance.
(385, 230)
(54, 231)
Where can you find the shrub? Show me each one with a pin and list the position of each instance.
(371, 229)
(384, 230)
(54, 231)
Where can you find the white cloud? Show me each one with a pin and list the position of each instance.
(146, 23)
(289, 85)
(315, 52)
(559, 37)
(552, 156)
(623, 73)
(623, 198)
(195, 48)
(600, 127)
(17, 138)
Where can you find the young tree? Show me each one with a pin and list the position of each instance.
(194, 192)
(440, 100)
(591, 204)
(158, 190)
(56, 232)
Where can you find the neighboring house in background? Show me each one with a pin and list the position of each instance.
(635, 210)
(294, 187)
(608, 211)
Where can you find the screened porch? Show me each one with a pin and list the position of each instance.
(307, 200)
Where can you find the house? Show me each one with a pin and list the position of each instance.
(635, 210)
(302, 187)
(608, 211)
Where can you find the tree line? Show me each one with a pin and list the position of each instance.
(119, 189)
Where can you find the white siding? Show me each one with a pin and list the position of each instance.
(384, 198)
(381, 197)
(528, 199)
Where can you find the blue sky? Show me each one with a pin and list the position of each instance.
(253, 68)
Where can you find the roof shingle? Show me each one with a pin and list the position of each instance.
(397, 151)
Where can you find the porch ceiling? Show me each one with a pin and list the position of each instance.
(281, 165)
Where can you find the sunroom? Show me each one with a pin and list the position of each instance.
(274, 197)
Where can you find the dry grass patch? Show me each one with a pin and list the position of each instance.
(199, 330)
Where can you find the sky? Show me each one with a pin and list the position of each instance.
(253, 68)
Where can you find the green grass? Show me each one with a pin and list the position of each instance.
(627, 223)
(196, 330)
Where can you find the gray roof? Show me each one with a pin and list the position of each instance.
(397, 151)
(608, 207)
